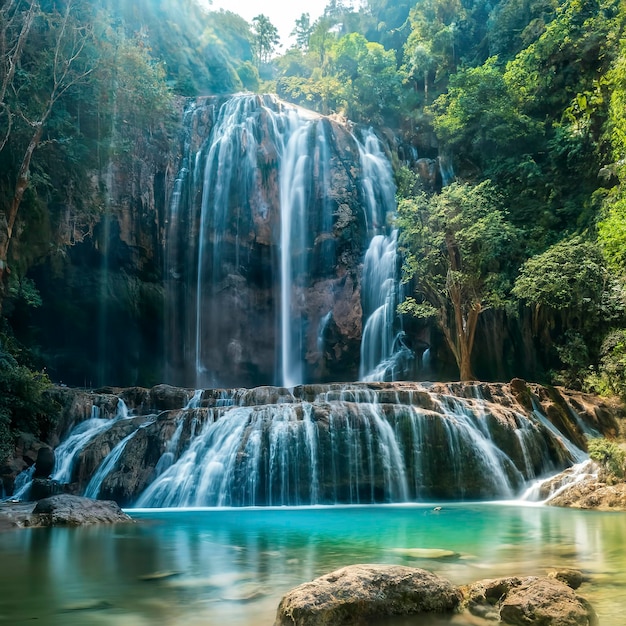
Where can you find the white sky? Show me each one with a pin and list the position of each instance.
(282, 13)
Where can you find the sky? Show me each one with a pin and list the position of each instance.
(282, 13)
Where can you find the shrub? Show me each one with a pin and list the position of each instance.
(24, 405)
(609, 455)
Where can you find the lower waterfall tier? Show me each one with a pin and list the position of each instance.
(357, 443)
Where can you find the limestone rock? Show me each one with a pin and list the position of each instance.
(166, 397)
(44, 488)
(532, 600)
(68, 510)
(592, 493)
(361, 592)
(546, 601)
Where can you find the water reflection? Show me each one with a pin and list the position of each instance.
(232, 566)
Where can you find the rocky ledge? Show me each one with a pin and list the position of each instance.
(359, 593)
(585, 486)
(60, 510)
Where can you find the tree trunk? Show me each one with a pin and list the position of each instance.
(461, 342)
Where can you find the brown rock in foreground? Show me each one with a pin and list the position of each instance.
(359, 592)
(531, 600)
(68, 510)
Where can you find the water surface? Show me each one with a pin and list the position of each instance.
(231, 566)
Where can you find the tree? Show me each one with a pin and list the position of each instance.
(572, 294)
(478, 120)
(266, 38)
(459, 251)
(15, 24)
(302, 31)
(60, 64)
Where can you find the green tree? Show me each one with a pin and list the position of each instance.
(571, 294)
(478, 119)
(367, 73)
(460, 250)
(265, 38)
(24, 403)
(303, 31)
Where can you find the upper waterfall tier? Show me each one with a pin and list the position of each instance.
(272, 214)
(324, 444)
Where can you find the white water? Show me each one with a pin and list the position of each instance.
(383, 353)
(80, 437)
(93, 488)
(294, 201)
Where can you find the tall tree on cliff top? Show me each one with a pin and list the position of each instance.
(459, 249)
(302, 31)
(56, 62)
(266, 38)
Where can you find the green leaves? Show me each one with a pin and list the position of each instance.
(569, 275)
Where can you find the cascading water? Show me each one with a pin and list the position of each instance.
(330, 444)
(384, 355)
(276, 191)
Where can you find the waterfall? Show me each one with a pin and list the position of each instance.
(23, 481)
(294, 196)
(358, 443)
(272, 210)
(80, 437)
(93, 488)
(384, 356)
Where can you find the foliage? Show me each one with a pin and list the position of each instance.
(459, 249)
(302, 31)
(610, 377)
(609, 455)
(24, 405)
(571, 277)
(478, 119)
(570, 288)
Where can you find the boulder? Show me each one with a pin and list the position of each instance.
(516, 601)
(68, 510)
(167, 398)
(360, 592)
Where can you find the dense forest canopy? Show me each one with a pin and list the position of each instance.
(523, 101)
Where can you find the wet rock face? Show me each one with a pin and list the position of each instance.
(44, 463)
(356, 593)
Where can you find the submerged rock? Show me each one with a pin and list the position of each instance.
(361, 592)
(68, 510)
